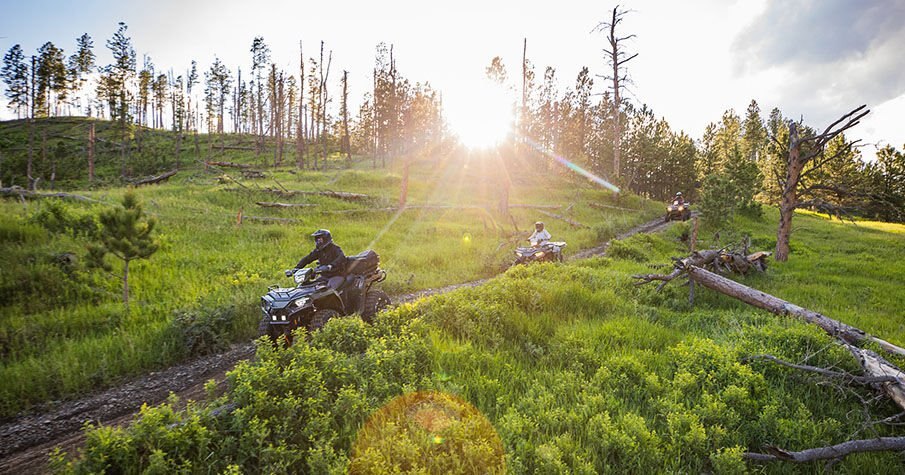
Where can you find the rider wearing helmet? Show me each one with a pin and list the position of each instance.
(540, 235)
(678, 198)
(330, 258)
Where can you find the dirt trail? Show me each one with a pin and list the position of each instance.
(26, 440)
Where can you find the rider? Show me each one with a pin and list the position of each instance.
(330, 259)
(678, 198)
(540, 235)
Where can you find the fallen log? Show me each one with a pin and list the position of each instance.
(155, 179)
(605, 207)
(227, 164)
(574, 224)
(267, 204)
(832, 452)
(266, 219)
(343, 195)
(847, 335)
(252, 174)
(22, 193)
(535, 206)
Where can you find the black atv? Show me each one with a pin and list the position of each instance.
(677, 211)
(311, 303)
(549, 251)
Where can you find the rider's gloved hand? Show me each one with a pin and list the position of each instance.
(321, 269)
(289, 272)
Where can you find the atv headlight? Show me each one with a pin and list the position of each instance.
(273, 317)
(302, 302)
(283, 317)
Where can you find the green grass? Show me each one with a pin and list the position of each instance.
(63, 330)
(577, 370)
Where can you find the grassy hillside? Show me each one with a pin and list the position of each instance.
(63, 328)
(575, 369)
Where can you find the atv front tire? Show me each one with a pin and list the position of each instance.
(376, 301)
(320, 318)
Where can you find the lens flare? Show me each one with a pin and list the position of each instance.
(572, 166)
(429, 432)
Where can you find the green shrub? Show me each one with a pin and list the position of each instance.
(205, 331)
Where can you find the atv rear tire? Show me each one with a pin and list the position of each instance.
(376, 301)
(320, 318)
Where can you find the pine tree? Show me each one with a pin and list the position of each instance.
(118, 85)
(51, 80)
(126, 234)
(81, 64)
(15, 74)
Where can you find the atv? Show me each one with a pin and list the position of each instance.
(547, 252)
(311, 303)
(677, 211)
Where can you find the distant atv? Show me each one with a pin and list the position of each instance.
(677, 211)
(311, 303)
(547, 252)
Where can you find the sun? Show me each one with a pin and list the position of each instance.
(482, 117)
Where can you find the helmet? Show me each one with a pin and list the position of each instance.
(678, 193)
(322, 237)
(538, 226)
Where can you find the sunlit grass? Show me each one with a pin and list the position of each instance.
(207, 260)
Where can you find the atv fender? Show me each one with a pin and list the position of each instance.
(331, 301)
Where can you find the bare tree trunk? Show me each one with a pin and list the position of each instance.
(30, 164)
(346, 145)
(791, 195)
(616, 59)
(404, 191)
(324, 76)
(126, 283)
(91, 141)
(789, 199)
(300, 137)
(374, 119)
(523, 126)
(833, 452)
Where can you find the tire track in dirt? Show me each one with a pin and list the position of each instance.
(26, 441)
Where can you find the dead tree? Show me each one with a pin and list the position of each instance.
(346, 145)
(813, 155)
(91, 140)
(617, 59)
(301, 129)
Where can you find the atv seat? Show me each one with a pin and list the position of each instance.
(364, 263)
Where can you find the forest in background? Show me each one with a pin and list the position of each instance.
(301, 117)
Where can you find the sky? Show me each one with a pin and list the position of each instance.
(814, 59)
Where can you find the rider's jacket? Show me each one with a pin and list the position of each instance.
(329, 255)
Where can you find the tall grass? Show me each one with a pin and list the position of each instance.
(53, 309)
(577, 369)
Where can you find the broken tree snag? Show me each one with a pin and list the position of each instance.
(22, 193)
(574, 224)
(155, 179)
(227, 165)
(803, 161)
(831, 452)
(268, 204)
